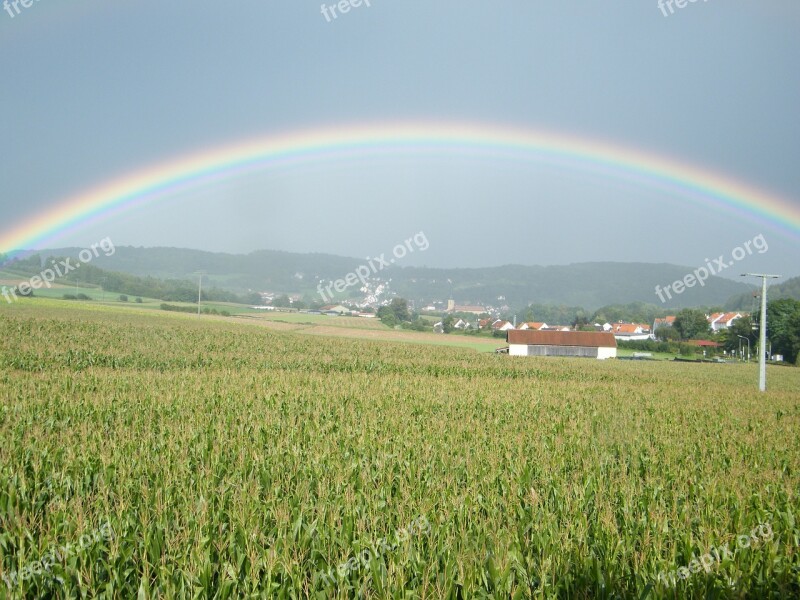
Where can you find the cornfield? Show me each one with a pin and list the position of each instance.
(222, 460)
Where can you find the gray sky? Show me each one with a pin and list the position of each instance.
(95, 90)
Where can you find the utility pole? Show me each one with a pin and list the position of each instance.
(199, 289)
(762, 337)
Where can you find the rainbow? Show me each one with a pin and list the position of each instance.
(688, 182)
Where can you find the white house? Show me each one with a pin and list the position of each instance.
(589, 344)
(532, 325)
(502, 325)
(720, 321)
(631, 331)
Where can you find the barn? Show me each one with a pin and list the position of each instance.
(588, 344)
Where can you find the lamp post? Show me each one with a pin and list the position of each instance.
(762, 345)
(748, 345)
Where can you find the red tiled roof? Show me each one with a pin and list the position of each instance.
(630, 328)
(591, 339)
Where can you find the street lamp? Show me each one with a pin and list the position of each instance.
(748, 345)
(762, 345)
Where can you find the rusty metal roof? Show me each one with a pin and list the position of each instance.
(590, 339)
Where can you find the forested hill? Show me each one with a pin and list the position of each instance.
(746, 301)
(590, 285)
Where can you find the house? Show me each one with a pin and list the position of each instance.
(720, 321)
(665, 322)
(532, 325)
(631, 331)
(557, 328)
(484, 323)
(588, 344)
(502, 325)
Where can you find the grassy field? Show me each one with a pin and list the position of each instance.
(157, 455)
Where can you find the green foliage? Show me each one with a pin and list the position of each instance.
(30, 265)
(667, 334)
(553, 314)
(170, 290)
(123, 298)
(395, 313)
(588, 285)
(416, 325)
(670, 347)
(748, 301)
(783, 327)
(730, 339)
(634, 312)
(282, 301)
(691, 324)
(448, 324)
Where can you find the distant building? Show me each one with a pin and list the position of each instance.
(630, 331)
(532, 326)
(502, 325)
(336, 309)
(665, 322)
(469, 309)
(588, 344)
(719, 321)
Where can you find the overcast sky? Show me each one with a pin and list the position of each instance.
(95, 90)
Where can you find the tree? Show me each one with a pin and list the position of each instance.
(387, 316)
(123, 298)
(399, 306)
(740, 327)
(254, 298)
(448, 323)
(282, 302)
(667, 333)
(691, 324)
(581, 322)
(783, 328)
(395, 313)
